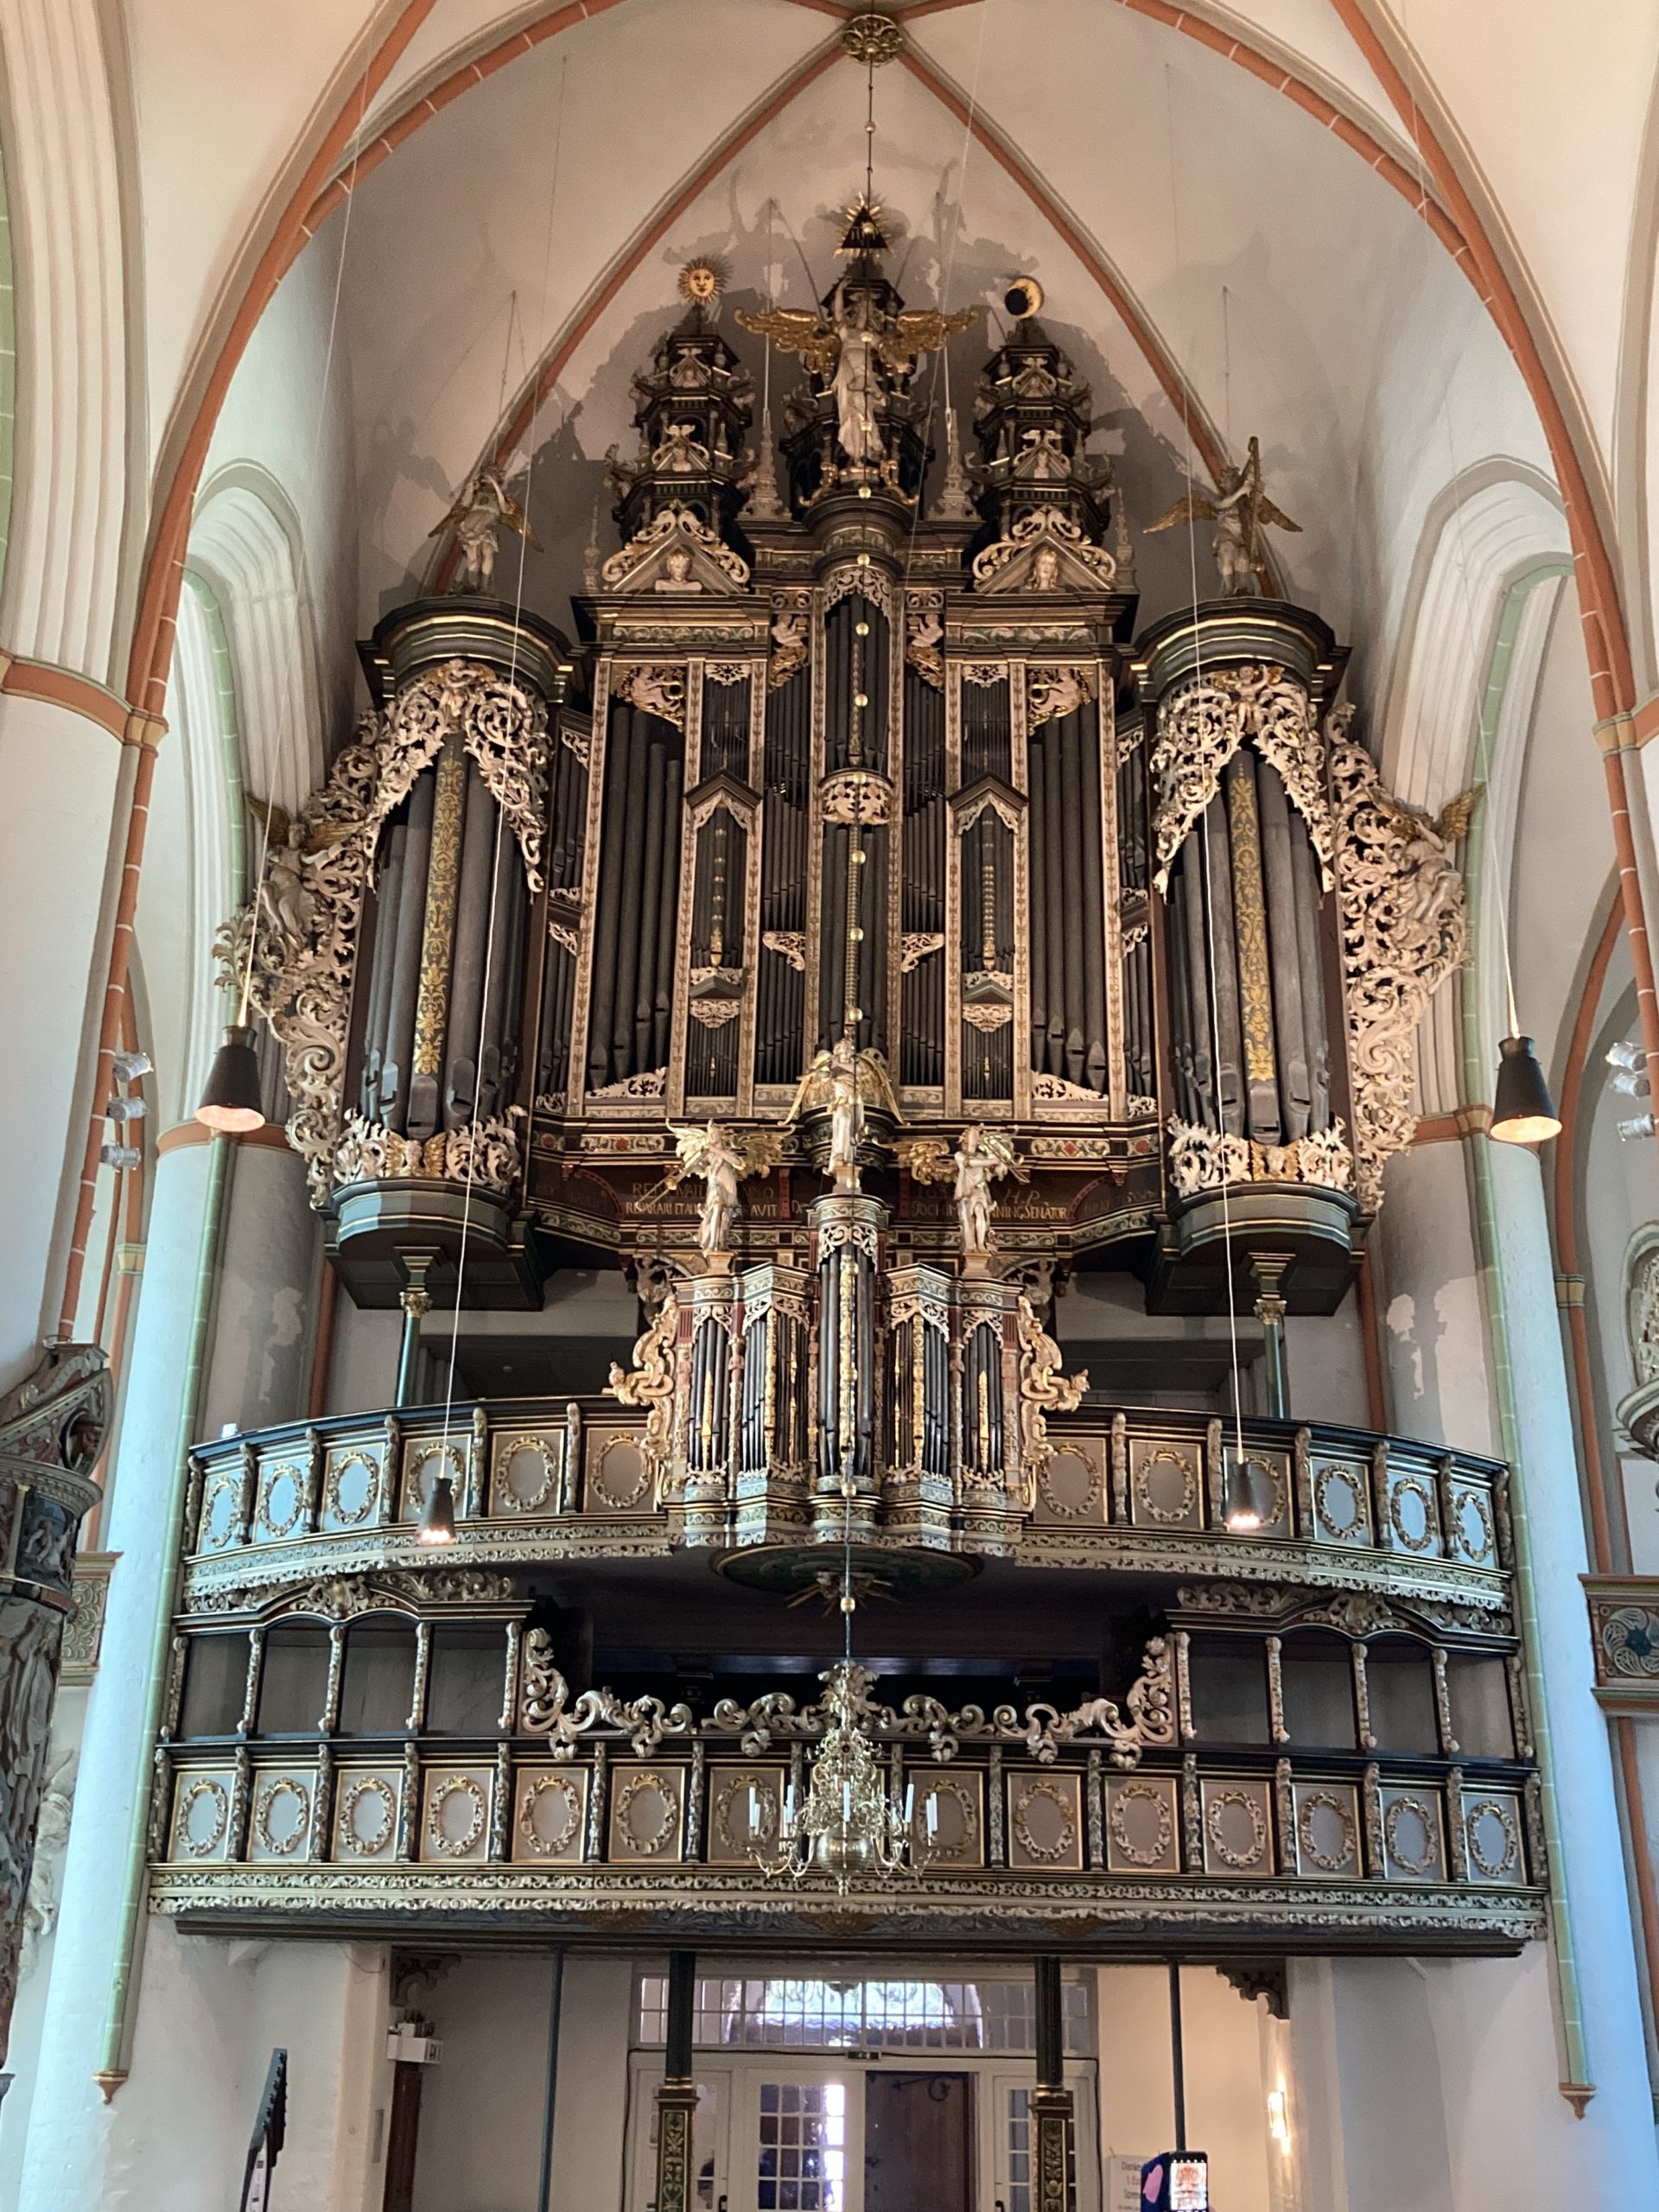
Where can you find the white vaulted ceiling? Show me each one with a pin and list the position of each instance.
(1245, 179)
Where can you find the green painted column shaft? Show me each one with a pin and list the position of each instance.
(1475, 1081)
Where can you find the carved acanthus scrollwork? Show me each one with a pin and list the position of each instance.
(1404, 930)
(483, 1154)
(1145, 1719)
(649, 1383)
(1202, 1159)
(1051, 692)
(1043, 1389)
(304, 948)
(1201, 724)
(1045, 550)
(788, 944)
(654, 688)
(545, 1707)
(674, 527)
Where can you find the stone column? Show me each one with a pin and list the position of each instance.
(71, 2129)
(264, 1299)
(1614, 2151)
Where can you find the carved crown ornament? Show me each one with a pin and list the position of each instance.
(305, 920)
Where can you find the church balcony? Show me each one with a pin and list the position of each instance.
(1120, 1491)
(1311, 1734)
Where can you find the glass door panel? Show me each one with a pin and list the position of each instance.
(798, 2140)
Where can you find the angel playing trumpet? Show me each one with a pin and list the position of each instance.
(724, 1157)
(1241, 510)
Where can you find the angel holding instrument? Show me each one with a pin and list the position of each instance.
(849, 351)
(482, 506)
(1240, 510)
(724, 1158)
(982, 1157)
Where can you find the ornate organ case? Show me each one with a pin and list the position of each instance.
(839, 769)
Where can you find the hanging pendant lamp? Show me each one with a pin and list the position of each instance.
(231, 1102)
(1522, 1110)
(438, 1521)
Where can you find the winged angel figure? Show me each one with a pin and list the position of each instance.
(843, 1083)
(1240, 511)
(982, 1157)
(1430, 839)
(482, 506)
(290, 841)
(724, 1158)
(846, 350)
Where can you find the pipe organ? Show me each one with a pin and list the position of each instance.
(858, 929)
(838, 767)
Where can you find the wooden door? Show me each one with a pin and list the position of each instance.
(919, 2132)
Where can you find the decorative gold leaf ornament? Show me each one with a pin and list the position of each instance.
(873, 39)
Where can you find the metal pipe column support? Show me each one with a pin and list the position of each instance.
(677, 2098)
(1050, 2101)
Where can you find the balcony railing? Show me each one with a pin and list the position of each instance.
(1118, 1820)
(536, 1480)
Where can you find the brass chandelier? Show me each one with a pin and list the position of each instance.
(848, 1824)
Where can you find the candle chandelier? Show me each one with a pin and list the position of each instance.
(849, 1825)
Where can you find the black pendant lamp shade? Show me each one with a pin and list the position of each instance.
(438, 1522)
(1522, 1110)
(230, 1103)
(1243, 1509)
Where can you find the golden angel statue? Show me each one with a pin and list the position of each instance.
(1240, 510)
(482, 506)
(982, 1157)
(851, 349)
(844, 1083)
(724, 1157)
